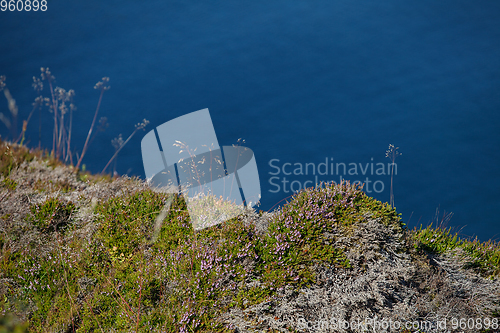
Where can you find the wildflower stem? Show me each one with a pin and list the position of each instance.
(118, 150)
(21, 136)
(69, 137)
(137, 127)
(391, 153)
(85, 146)
(54, 106)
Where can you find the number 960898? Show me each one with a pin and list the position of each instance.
(23, 5)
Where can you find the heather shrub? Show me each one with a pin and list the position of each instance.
(51, 215)
(302, 233)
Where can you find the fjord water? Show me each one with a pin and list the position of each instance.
(301, 82)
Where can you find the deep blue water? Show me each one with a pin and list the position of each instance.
(299, 81)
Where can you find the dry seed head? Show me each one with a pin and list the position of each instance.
(392, 151)
(38, 101)
(142, 125)
(63, 108)
(2, 82)
(60, 93)
(103, 124)
(117, 142)
(46, 74)
(102, 85)
(37, 84)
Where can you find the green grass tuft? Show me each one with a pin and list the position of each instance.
(483, 257)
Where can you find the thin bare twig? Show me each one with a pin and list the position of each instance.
(137, 127)
(103, 87)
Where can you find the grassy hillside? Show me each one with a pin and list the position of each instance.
(78, 255)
